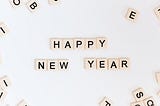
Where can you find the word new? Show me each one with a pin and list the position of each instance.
(78, 43)
(106, 64)
(51, 64)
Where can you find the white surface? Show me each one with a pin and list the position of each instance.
(29, 39)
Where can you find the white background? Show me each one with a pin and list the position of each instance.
(29, 39)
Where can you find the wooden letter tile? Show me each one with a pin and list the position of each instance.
(90, 63)
(40, 64)
(67, 43)
(5, 82)
(102, 42)
(102, 64)
(55, 43)
(139, 94)
(150, 102)
(157, 75)
(33, 5)
(105, 102)
(79, 43)
(157, 12)
(22, 103)
(63, 64)
(132, 15)
(3, 95)
(52, 2)
(140, 103)
(16, 3)
(52, 64)
(90, 43)
(113, 63)
(124, 63)
(3, 29)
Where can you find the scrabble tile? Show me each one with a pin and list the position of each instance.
(41, 64)
(90, 43)
(149, 102)
(157, 11)
(3, 94)
(124, 63)
(33, 5)
(102, 64)
(67, 44)
(16, 3)
(132, 15)
(90, 63)
(157, 75)
(55, 43)
(63, 64)
(3, 29)
(113, 63)
(52, 64)
(105, 102)
(5, 82)
(139, 94)
(102, 42)
(22, 103)
(52, 2)
(140, 103)
(79, 43)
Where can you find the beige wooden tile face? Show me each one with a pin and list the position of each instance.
(52, 2)
(63, 64)
(68, 44)
(137, 103)
(3, 95)
(150, 102)
(102, 42)
(124, 63)
(33, 5)
(105, 102)
(55, 43)
(157, 75)
(90, 63)
(22, 103)
(139, 94)
(79, 44)
(113, 63)
(157, 12)
(132, 15)
(90, 43)
(16, 3)
(5, 82)
(102, 64)
(40, 64)
(52, 65)
(3, 29)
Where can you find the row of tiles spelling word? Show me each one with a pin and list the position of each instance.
(89, 64)
(78, 43)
